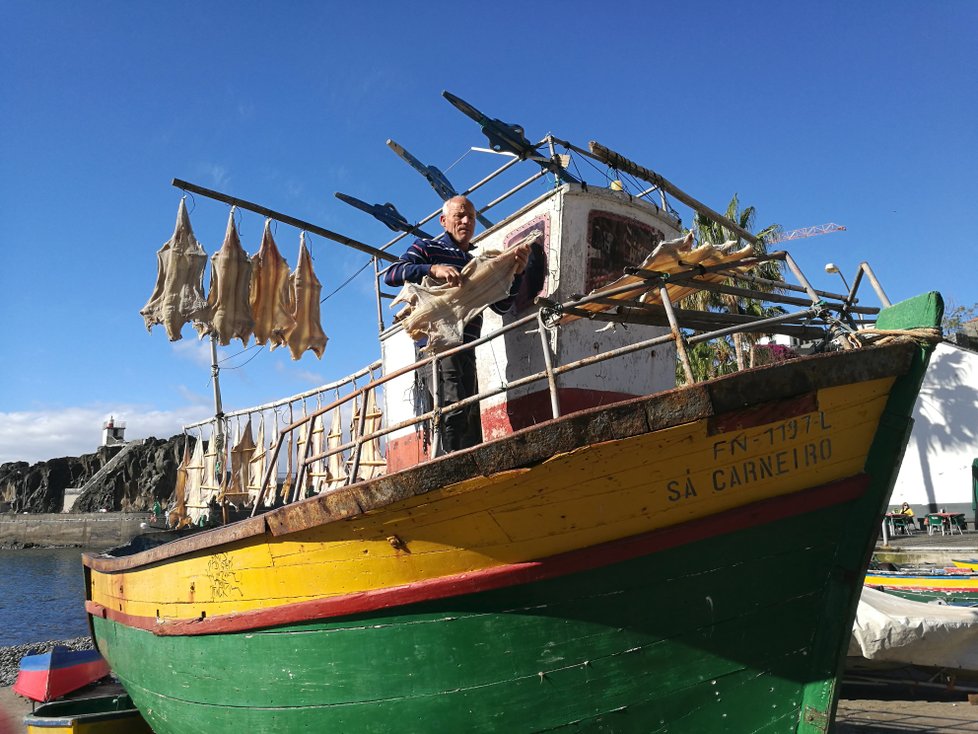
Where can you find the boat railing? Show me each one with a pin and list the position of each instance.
(820, 315)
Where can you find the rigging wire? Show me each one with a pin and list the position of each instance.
(239, 366)
(458, 160)
(345, 282)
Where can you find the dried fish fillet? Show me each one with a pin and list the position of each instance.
(269, 300)
(440, 311)
(334, 439)
(241, 453)
(178, 295)
(372, 462)
(180, 489)
(228, 313)
(257, 463)
(194, 493)
(670, 257)
(305, 288)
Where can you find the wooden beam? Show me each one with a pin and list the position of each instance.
(621, 163)
(285, 219)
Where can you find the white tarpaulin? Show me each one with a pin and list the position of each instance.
(892, 629)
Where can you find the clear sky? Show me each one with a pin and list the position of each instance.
(860, 113)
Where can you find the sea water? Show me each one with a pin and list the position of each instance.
(42, 595)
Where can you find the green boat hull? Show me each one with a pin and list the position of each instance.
(638, 646)
(741, 629)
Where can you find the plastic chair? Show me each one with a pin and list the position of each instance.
(935, 522)
(902, 523)
(957, 523)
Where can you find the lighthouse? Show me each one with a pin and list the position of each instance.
(113, 432)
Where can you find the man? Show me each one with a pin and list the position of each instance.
(442, 258)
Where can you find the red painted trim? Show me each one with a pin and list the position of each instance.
(505, 418)
(759, 513)
(759, 415)
(404, 452)
(948, 589)
(529, 410)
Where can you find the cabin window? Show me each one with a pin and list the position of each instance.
(613, 243)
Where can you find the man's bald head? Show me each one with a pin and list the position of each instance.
(458, 219)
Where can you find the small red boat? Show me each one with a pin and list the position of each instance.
(53, 674)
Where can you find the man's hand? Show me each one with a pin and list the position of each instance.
(521, 255)
(446, 273)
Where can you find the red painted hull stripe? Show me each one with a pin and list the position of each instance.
(498, 577)
(925, 588)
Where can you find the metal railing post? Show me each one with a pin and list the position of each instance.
(549, 365)
(677, 334)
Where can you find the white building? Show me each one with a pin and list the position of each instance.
(937, 468)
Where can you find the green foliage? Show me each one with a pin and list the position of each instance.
(954, 318)
(723, 356)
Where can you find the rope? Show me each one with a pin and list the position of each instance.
(921, 335)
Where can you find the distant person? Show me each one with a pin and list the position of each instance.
(443, 258)
(905, 509)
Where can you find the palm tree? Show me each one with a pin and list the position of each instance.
(727, 352)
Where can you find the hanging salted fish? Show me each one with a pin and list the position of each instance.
(337, 463)
(270, 301)
(372, 462)
(178, 296)
(318, 469)
(210, 485)
(305, 289)
(256, 466)
(228, 313)
(439, 312)
(286, 491)
(193, 492)
(303, 449)
(241, 453)
(180, 488)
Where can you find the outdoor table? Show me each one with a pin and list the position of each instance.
(952, 520)
(901, 521)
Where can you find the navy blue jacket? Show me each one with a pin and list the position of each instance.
(416, 263)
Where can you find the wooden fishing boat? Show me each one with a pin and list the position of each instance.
(957, 585)
(97, 715)
(603, 561)
(58, 672)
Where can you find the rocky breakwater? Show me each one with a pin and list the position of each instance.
(146, 473)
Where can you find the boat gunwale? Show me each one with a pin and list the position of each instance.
(714, 399)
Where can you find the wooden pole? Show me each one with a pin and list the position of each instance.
(218, 407)
(621, 163)
(285, 219)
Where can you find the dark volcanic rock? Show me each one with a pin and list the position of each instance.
(146, 473)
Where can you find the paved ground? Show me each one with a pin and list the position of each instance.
(921, 540)
(901, 717)
(854, 717)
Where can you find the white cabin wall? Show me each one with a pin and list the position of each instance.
(563, 217)
(568, 214)
(936, 469)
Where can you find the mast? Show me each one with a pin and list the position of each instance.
(218, 409)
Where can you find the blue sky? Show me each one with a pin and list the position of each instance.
(863, 114)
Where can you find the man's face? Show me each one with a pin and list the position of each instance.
(460, 222)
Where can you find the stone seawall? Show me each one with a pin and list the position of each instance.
(89, 530)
